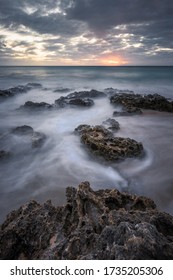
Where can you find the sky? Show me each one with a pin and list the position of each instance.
(86, 32)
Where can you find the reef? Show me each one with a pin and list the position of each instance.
(93, 225)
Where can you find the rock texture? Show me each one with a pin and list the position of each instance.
(101, 142)
(103, 224)
(130, 101)
(18, 89)
(86, 94)
(81, 102)
(30, 105)
(37, 138)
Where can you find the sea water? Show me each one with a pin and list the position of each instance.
(62, 161)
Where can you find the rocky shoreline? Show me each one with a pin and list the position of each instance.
(103, 224)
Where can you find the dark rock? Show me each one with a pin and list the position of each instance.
(38, 139)
(151, 102)
(23, 130)
(86, 94)
(101, 142)
(62, 90)
(128, 111)
(104, 224)
(111, 124)
(17, 90)
(4, 155)
(81, 102)
(36, 105)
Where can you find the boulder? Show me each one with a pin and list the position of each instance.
(17, 90)
(23, 130)
(93, 225)
(86, 94)
(128, 111)
(81, 102)
(102, 143)
(111, 124)
(29, 105)
(38, 139)
(150, 101)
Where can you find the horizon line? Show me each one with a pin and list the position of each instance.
(86, 65)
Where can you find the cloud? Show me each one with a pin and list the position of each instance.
(86, 31)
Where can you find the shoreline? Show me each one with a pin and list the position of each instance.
(103, 224)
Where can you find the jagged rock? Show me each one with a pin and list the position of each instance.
(36, 105)
(128, 111)
(84, 102)
(4, 155)
(111, 124)
(103, 224)
(62, 90)
(23, 130)
(18, 89)
(151, 102)
(86, 94)
(101, 142)
(38, 139)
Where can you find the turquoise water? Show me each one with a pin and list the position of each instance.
(62, 161)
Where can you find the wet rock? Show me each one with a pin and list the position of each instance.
(111, 124)
(29, 105)
(86, 94)
(62, 90)
(101, 143)
(17, 90)
(38, 139)
(128, 111)
(4, 155)
(23, 130)
(150, 101)
(103, 224)
(81, 102)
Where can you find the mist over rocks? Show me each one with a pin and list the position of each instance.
(4, 155)
(37, 138)
(30, 105)
(86, 94)
(132, 102)
(102, 143)
(17, 90)
(81, 102)
(93, 225)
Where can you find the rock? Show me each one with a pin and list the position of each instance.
(17, 90)
(101, 142)
(81, 102)
(36, 105)
(94, 225)
(38, 139)
(62, 90)
(111, 124)
(4, 155)
(23, 130)
(86, 94)
(86, 102)
(128, 111)
(151, 102)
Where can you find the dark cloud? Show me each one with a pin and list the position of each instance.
(135, 29)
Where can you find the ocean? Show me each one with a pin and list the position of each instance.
(62, 161)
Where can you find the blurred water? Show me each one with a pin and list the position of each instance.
(44, 173)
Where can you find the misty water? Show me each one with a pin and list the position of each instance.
(44, 173)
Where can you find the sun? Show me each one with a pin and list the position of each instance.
(112, 60)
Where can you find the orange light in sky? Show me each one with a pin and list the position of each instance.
(112, 60)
